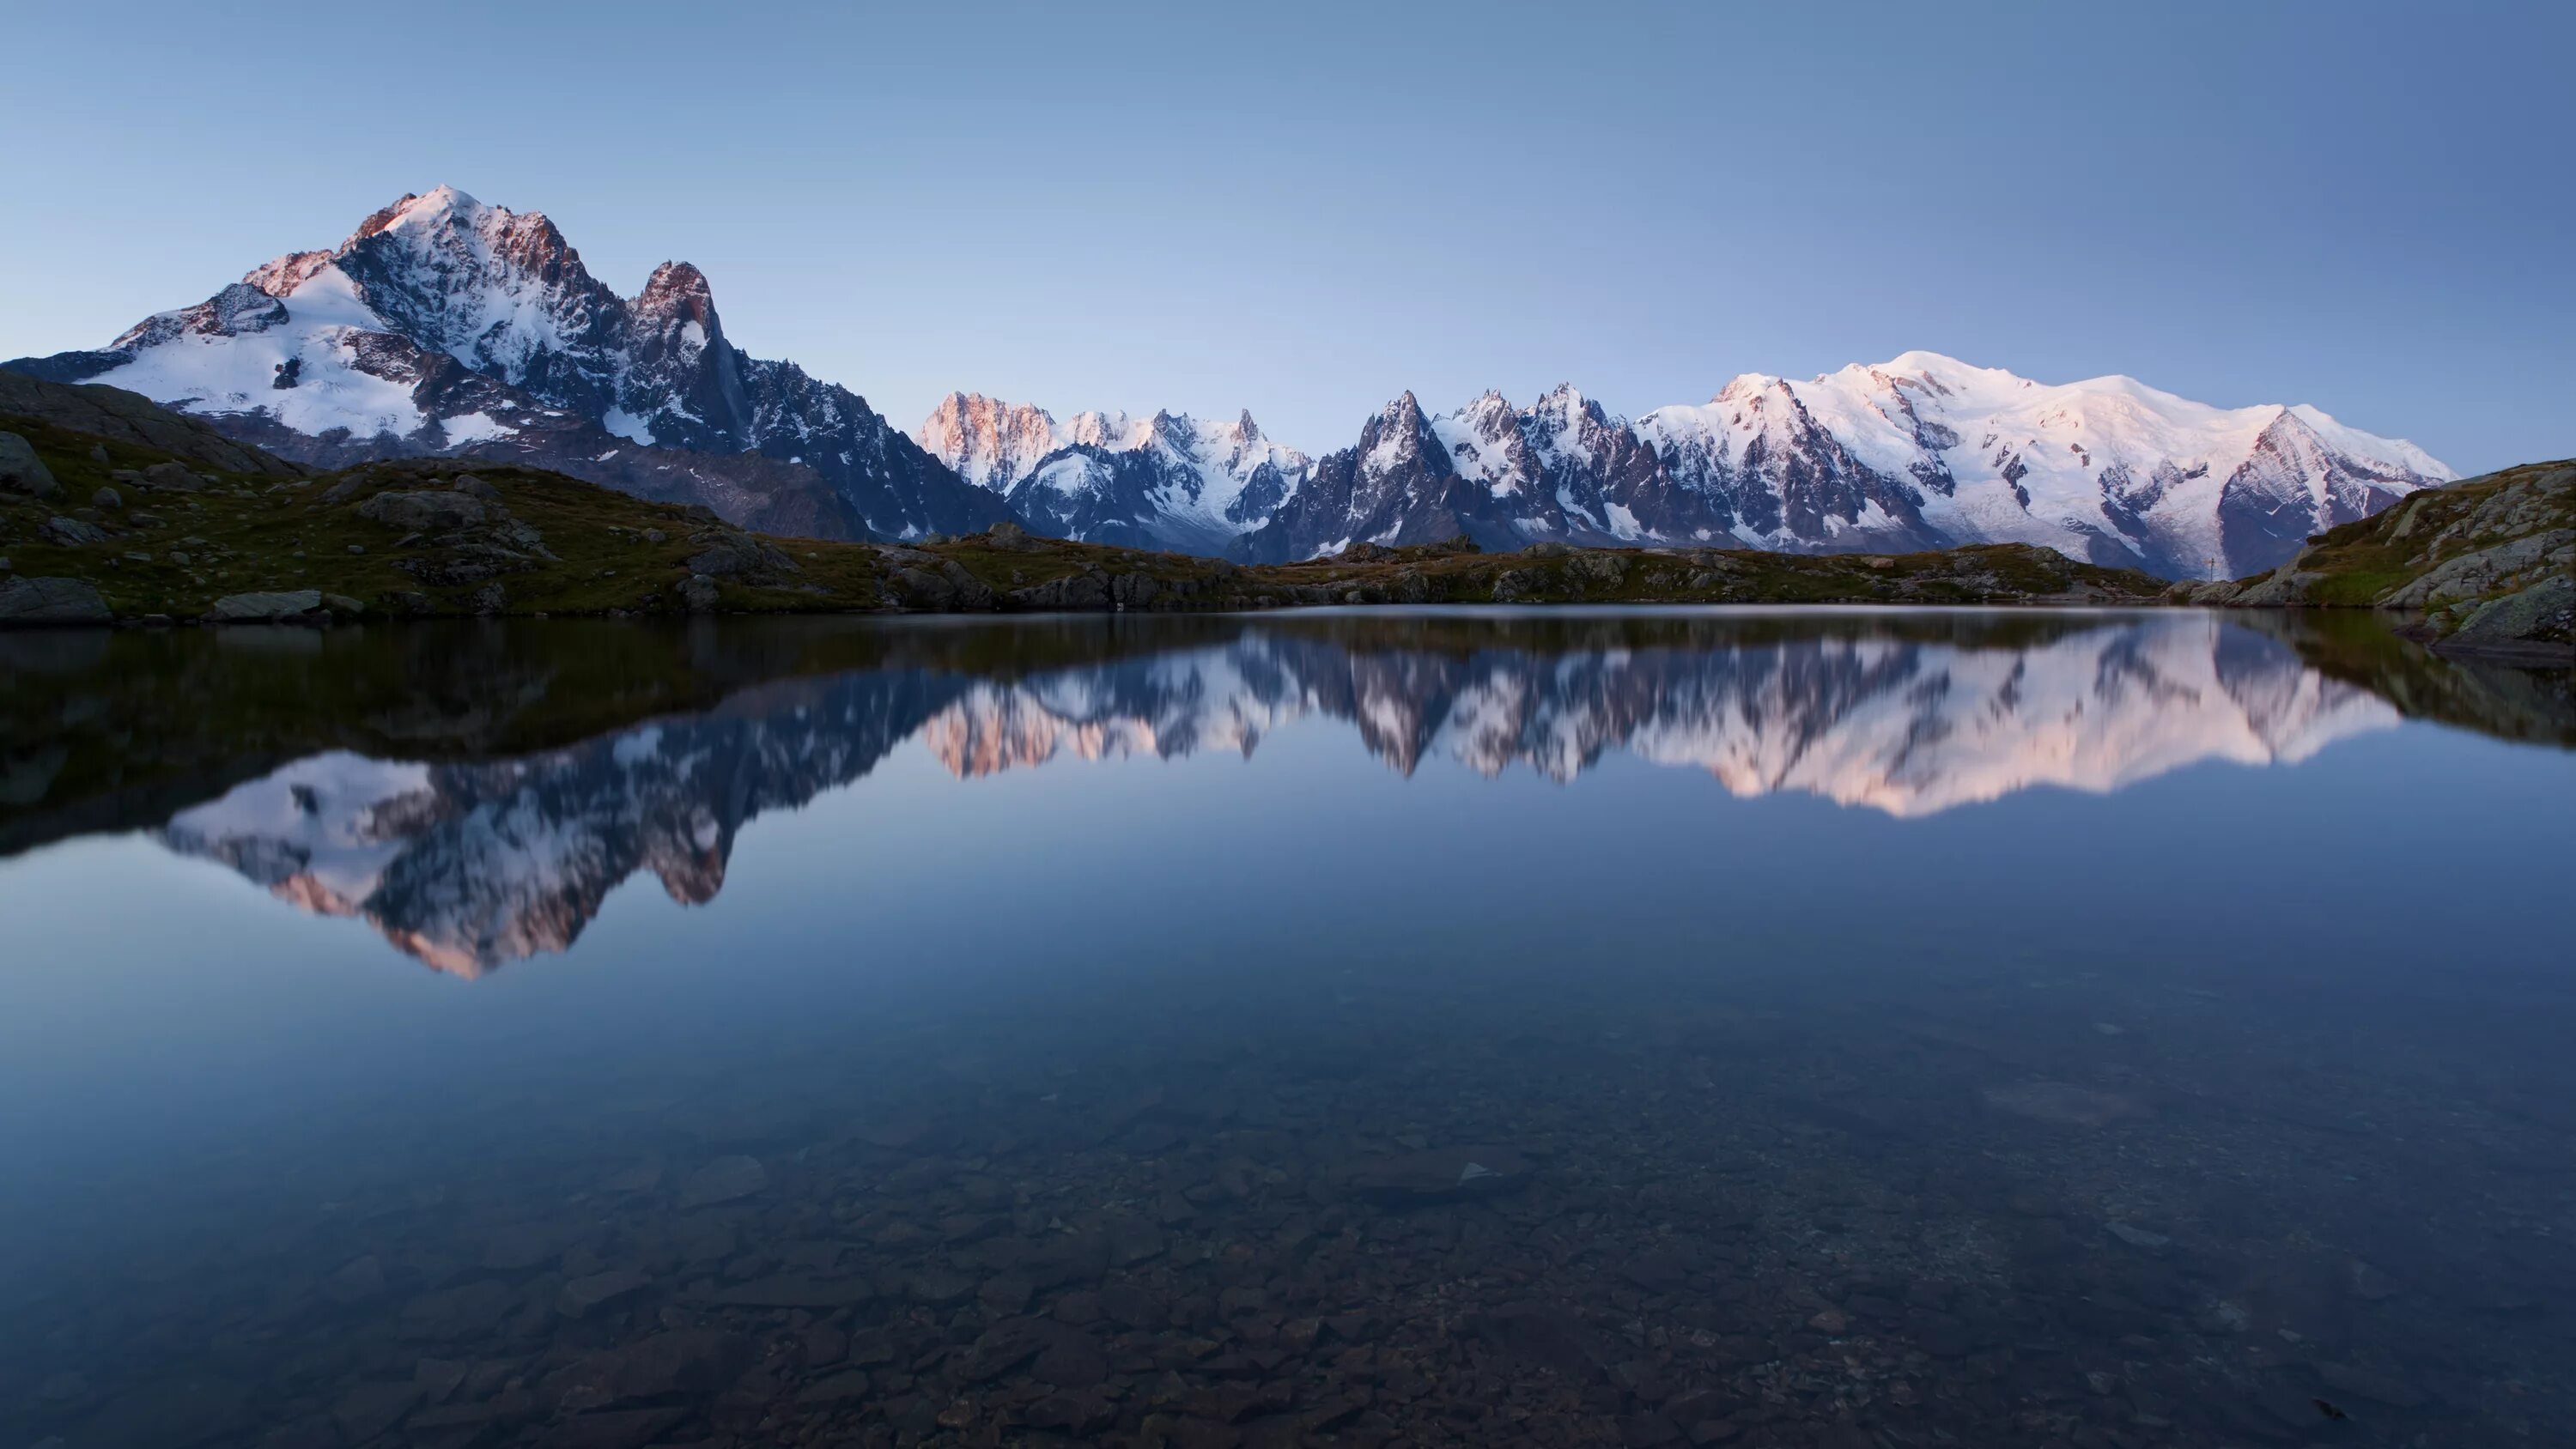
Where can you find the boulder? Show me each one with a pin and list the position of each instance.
(2540, 620)
(51, 601)
(733, 555)
(72, 533)
(259, 606)
(172, 477)
(21, 471)
(420, 511)
(1010, 537)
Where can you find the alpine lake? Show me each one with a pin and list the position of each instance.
(1377, 1027)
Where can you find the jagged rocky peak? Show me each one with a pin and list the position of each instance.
(1398, 435)
(678, 292)
(991, 443)
(445, 325)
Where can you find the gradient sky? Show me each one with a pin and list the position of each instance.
(1307, 209)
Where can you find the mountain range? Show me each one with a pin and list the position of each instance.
(469, 865)
(442, 325)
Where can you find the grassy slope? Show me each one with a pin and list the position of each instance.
(246, 532)
(2365, 561)
(2487, 566)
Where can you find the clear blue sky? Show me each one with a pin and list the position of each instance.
(1306, 209)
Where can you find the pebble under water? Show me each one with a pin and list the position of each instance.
(1831, 1028)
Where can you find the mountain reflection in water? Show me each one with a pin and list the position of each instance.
(468, 854)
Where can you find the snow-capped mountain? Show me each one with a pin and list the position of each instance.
(1922, 451)
(1170, 481)
(442, 325)
(470, 865)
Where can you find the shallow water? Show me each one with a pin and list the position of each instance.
(1566, 1027)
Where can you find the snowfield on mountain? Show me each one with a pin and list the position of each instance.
(443, 326)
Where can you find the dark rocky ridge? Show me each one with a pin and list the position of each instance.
(761, 442)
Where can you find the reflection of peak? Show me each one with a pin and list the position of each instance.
(468, 866)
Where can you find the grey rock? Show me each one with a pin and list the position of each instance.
(173, 477)
(278, 604)
(2542, 615)
(424, 511)
(734, 555)
(72, 532)
(51, 601)
(21, 471)
(698, 593)
(1011, 538)
(107, 498)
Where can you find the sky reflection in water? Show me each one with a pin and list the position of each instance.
(1816, 949)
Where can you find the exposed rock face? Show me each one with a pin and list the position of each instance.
(21, 471)
(1165, 482)
(1919, 452)
(128, 417)
(442, 325)
(264, 607)
(50, 601)
(2490, 563)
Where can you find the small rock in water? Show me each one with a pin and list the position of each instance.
(62, 1388)
(643, 1177)
(2062, 1102)
(724, 1180)
(358, 1281)
(519, 1248)
(2361, 1383)
(368, 1410)
(2137, 1237)
(2371, 1284)
(1440, 1173)
(583, 1296)
(2109, 1029)
(275, 604)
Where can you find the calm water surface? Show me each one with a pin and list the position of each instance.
(1671, 1028)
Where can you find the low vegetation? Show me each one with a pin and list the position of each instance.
(2488, 565)
(114, 510)
(120, 529)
